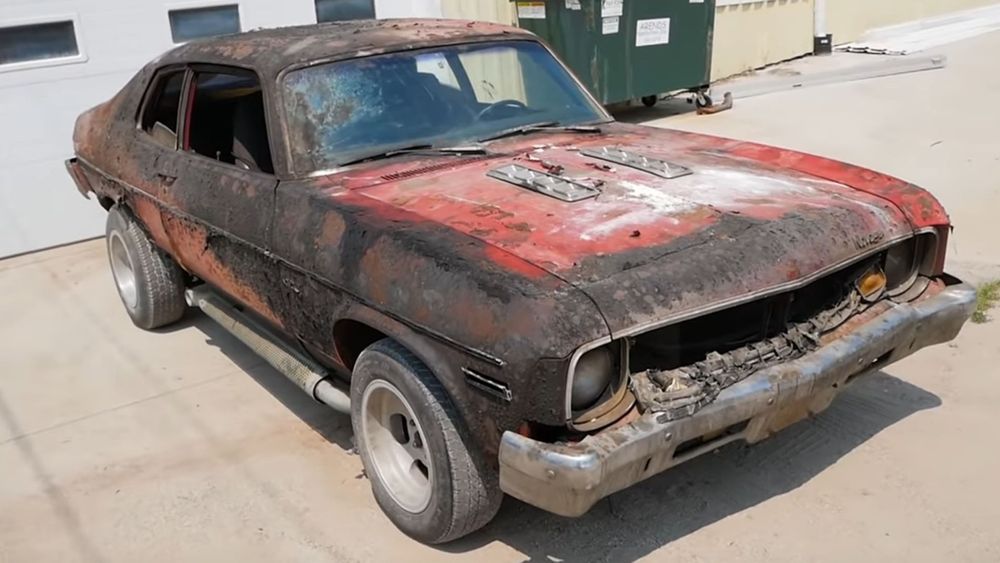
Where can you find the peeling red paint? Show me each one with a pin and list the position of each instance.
(919, 206)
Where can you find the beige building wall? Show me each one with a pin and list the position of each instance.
(499, 11)
(749, 35)
(849, 19)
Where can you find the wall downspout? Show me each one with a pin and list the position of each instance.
(822, 38)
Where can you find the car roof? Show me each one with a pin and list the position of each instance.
(269, 51)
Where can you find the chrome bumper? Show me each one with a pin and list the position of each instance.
(568, 479)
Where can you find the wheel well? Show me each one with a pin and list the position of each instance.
(351, 337)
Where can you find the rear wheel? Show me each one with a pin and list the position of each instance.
(150, 283)
(425, 475)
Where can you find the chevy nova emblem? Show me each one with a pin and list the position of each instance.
(863, 242)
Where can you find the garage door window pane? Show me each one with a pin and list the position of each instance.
(37, 42)
(195, 23)
(344, 10)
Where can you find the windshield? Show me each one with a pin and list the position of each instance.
(344, 111)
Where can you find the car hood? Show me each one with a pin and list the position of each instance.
(646, 248)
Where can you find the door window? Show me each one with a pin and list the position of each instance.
(159, 118)
(227, 121)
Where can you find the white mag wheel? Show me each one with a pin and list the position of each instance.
(396, 446)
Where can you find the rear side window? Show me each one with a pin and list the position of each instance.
(159, 116)
(227, 120)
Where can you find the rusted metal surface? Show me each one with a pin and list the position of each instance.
(472, 272)
(624, 245)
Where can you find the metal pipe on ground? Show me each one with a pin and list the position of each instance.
(309, 376)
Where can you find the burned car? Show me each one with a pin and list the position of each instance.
(432, 226)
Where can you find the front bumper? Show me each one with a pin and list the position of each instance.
(568, 479)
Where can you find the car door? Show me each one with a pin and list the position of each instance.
(155, 140)
(218, 188)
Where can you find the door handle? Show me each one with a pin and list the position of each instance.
(166, 178)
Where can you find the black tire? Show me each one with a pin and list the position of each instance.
(649, 101)
(156, 297)
(465, 493)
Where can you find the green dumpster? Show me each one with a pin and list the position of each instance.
(628, 49)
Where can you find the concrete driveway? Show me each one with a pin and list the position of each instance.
(180, 445)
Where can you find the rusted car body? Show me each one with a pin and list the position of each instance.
(738, 287)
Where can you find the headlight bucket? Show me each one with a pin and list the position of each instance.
(901, 266)
(597, 393)
(595, 371)
(906, 261)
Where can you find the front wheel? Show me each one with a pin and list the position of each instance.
(430, 482)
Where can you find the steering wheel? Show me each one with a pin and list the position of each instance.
(516, 104)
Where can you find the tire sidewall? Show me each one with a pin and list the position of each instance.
(159, 281)
(118, 225)
(433, 521)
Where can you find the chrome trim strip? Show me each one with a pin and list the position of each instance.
(487, 385)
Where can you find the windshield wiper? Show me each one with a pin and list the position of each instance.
(541, 126)
(419, 149)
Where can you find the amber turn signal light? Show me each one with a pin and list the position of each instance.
(871, 283)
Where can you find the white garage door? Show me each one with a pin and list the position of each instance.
(60, 57)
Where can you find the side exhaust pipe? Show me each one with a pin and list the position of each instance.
(311, 377)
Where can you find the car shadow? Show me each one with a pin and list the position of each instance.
(637, 521)
(331, 425)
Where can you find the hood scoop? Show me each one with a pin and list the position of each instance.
(551, 185)
(660, 168)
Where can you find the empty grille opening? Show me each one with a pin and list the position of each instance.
(691, 341)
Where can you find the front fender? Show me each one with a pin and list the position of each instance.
(920, 207)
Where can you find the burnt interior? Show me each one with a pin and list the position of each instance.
(691, 341)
